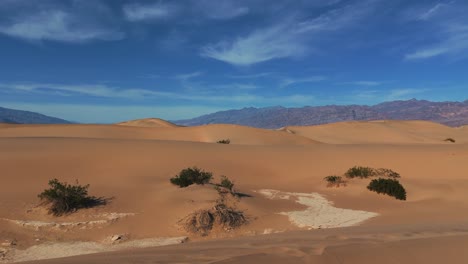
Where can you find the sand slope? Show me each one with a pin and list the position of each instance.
(148, 122)
(382, 131)
(132, 165)
(207, 134)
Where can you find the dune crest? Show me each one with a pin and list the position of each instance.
(148, 122)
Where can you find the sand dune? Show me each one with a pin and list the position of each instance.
(207, 134)
(132, 165)
(148, 122)
(382, 131)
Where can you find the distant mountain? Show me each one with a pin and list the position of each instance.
(25, 117)
(448, 113)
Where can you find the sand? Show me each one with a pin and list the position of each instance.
(131, 165)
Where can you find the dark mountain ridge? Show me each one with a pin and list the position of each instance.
(448, 113)
(13, 116)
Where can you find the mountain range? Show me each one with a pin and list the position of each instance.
(13, 116)
(448, 113)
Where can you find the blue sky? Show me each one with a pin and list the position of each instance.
(111, 60)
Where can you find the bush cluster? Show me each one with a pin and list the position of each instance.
(65, 198)
(226, 183)
(360, 172)
(224, 141)
(334, 180)
(190, 176)
(390, 187)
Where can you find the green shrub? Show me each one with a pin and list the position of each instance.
(360, 172)
(450, 140)
(224, 141)
(226, 183)
(390, 187)
(334, 180)
(190, 176)
(387, 173)
(65, 198)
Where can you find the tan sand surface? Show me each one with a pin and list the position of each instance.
(132, 165)
(148, 122)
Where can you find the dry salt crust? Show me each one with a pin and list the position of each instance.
(37, 225)
(59, 250)
(320, 212)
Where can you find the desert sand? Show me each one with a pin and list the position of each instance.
(293, 216)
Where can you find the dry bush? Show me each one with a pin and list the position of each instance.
(203, 221)
(63, 198)
(334, 181)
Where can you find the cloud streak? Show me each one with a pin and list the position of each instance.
(57, 25)
(139, 12)
(288, 39)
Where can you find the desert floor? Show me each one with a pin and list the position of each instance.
(293, 216)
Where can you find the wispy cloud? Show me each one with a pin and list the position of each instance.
(363, 83)
(251, 76)
(140, 12)
(260, 46)
(57, 25)
(221, 9)
(399, 94)
(451, 29)
(431, 12)
(188, 76)
(290, 81)
(238, 96)
(287, 39)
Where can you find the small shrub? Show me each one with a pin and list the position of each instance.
(224, 141)
(226, 183)
(334, 180)
(65, 198)
(203, 221)
(450, 140)
(360, 172)
(190, 176)
(387, 173)
(390, 187)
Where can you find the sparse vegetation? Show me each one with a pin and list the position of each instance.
(221, 214)
(224, 141)
(190, 176)
(64, 198)
(450, 140)
(226, 183)
(360, 172)
(334, 181)
(203, 221)
(390, 187)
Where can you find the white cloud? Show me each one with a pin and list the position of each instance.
(399, 94)
(252, 76)
(290, 81)
(188, 76)
(56, 25)
(290, 38)
(448, 26)
(103, 91)
(432, 11)
(455, 42)
(260, 46)
(139, 12)
(364, 83)
(221, 9)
